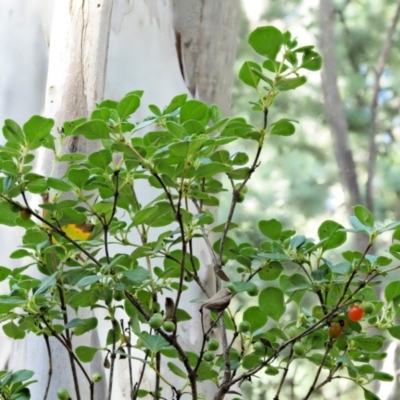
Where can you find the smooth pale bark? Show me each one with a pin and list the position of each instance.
(142, 55)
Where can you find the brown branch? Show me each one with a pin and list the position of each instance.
(334, 105)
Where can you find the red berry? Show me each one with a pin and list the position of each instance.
(335, 330)
(356, 313)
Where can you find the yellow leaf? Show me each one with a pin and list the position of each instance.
(77, 231)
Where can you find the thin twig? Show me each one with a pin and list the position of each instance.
(46, 392)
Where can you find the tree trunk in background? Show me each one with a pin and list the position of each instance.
(142, 54)
(334, 106)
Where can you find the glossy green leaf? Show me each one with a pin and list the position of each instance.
(311, 60)
(271, 271)
(255, 317)
(364, 216)
(267, 41)
(331, 231)
(271, 302)
(247, 75)
(369, 395)
(369, 343)
(7, 215)
(272, 228)
(392, 290)
(290, 83)
(193, 109)
(175, 103)
(128, 105)
(37, 128)
(85, 353)
(283, 127)
(394, 331)
(78, 177)
(176, 370)
(383, 376)
(13, 331)
(12, 132)
(92, 130)
(187, 148)
(100, 159)
(250, 361)
(136, 275)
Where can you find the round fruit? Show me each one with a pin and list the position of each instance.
(253, 291)
(169, 326)
(368, 307)
(209, 356)
(244, 326)
(299, 349)
(355, 313)
(118, 295)
(213, 344)
(63, 394)
(156, 321)
(240, 198)
(97, 377)
(259, 347)
(335, 330)
(292, 331)
(24, 214)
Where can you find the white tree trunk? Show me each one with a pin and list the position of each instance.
(142, 54)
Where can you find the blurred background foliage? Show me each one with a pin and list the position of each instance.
(298, 181)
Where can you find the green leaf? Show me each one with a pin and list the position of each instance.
(4, 272)
(12, 132)
(211, 169)
(176, 370)
(272, 228)
(136, 275)
(85, 325)
(250, 361)
(255, 317)
(267, 41)
(92, 130)
(271, 271)
(100, 158)
(182, 315)
(154, 343)
(78, 177)
(127, 106)
(37, 186)
(72, 157)
(271, 302)
(88, 280)
(85, 353)
(13, 331)
(383, 376)
(392, 290)
(186, 148)
(290, 83)
(331, 231)
(369, 395)
(193, 109)
(394, 331)
(364, 216)
(37, 128)
(175, 103)
(7, 215)
(311, 60)
(283, 127)
(369, 343)
(58, 184)
(247, 75)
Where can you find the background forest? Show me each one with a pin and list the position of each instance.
(307, 180)
(310, 179)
